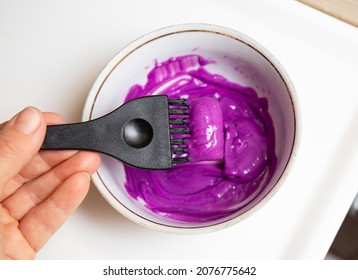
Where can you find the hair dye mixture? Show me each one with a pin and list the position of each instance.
(231, 149)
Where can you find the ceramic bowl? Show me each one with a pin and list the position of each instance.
(257, 69)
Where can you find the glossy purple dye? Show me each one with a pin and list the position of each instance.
(205, 123)
(231, 149)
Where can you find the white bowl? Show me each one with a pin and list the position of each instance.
(258, 69)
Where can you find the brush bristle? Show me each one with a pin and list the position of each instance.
(179, 131)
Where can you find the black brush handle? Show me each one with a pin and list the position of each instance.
(78, 136)
(136, 133)
(93, 135)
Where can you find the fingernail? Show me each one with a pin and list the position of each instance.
(27, 121)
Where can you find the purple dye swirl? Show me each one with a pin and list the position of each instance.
(232, 132)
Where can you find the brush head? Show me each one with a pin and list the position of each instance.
(196, 127)
(179, 131)
(151, 132)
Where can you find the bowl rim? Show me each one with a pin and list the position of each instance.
(180, 28)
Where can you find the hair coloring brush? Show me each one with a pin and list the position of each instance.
(147, 132)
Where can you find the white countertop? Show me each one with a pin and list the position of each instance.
(52, 51)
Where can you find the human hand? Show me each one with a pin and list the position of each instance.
(38, 189)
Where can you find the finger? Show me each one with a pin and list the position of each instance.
(53, 118)
(43, 220)
(20, 139)
(38, 190)
(44, 160)
(39, 164)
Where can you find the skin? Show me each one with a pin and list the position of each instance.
(38, 189)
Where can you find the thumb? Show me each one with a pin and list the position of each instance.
(20, 139)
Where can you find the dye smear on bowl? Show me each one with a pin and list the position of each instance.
(197, 192)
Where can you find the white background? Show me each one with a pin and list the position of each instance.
(52, 51)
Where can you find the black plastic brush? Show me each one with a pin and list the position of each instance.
(147, 132)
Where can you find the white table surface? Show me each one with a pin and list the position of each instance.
(52, 51)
